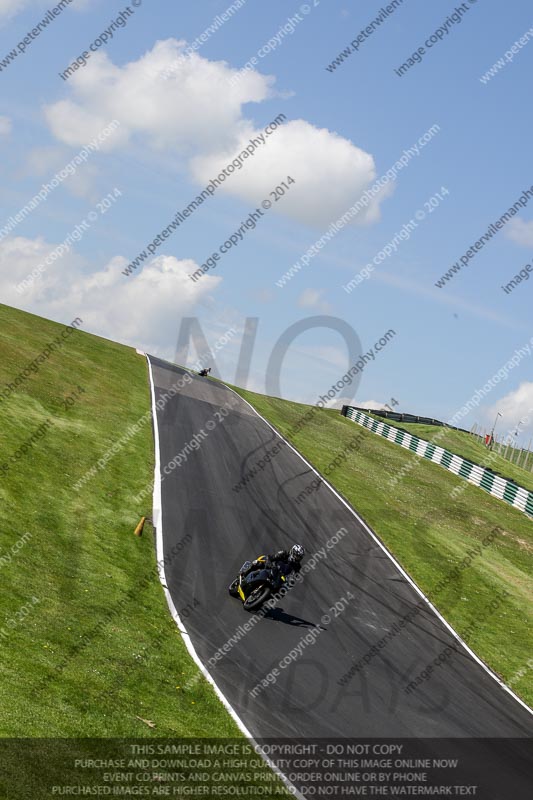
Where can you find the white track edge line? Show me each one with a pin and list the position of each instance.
(157, 505)
(389, 554)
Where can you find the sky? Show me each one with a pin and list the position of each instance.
(165, 117)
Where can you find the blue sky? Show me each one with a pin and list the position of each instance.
(344, 129)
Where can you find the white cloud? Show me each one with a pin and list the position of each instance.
(515, 406)
(264, 295)
(309, 298)
(84, 182)
(330, 173)
(46, 162)
(377, 405)
(195, 108)
(312, 298)
(520, 232)
(41, 161)
(5, 126)
(339, 402)
(197, 115)
(83, 5)
(10, 8)
(142, 310)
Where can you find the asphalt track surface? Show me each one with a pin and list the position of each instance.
(460, 699)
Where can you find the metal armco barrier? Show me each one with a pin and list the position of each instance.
(484, 478)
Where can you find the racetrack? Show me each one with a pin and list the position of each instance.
(459, 699)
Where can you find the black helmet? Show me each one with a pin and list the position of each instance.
(297, 552)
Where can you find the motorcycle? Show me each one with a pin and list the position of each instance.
(255, 588)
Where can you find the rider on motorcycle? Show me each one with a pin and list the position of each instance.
(288, 561)
(273, 571)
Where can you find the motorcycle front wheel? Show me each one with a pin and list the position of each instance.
(256, 598)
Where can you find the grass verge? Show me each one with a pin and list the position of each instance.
(93, 650)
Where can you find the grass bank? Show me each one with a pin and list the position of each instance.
(88, 647)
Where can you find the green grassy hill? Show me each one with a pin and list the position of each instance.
(96, 651)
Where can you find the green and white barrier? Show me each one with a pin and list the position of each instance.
(498, 487)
